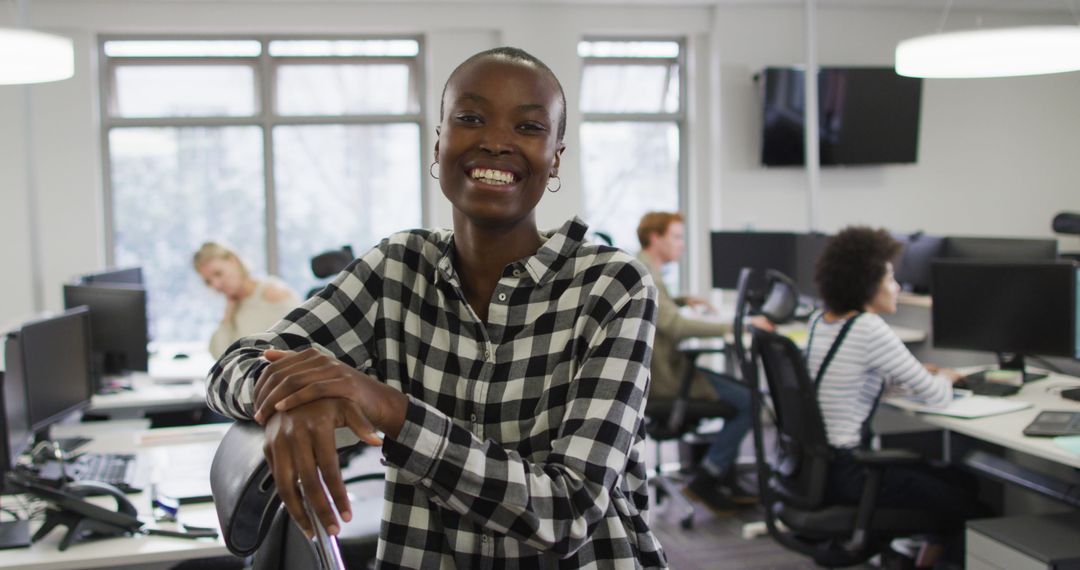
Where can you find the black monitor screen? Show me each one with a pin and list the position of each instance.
(118, 325)
(1005, 307)
(1016, 249)
(866, 115)
(913, 267)
(731, 251)
(56, 366)
(16, 420)
(128, 276)
(1077, 307)
(809, 248)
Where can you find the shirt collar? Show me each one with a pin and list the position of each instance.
(559, 245)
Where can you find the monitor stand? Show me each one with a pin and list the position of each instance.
(1008, 362)
(14, 534)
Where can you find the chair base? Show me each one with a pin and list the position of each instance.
(666, 488)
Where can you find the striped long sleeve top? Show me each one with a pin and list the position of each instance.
(871, 362)
(523, 442)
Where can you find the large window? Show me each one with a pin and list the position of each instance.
(282, 148)
(632, 103)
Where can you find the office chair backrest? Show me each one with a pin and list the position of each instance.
(777, 301)
(330, 263)
(803, 454)
(1066, 223)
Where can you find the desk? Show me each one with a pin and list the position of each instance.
(1007, 430)
(170, 385)
(166, 451)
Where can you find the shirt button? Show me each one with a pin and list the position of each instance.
(502, 296)
(487, 355)
(483, 538)
(517, 273)
(472, 418)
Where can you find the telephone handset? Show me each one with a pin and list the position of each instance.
(68, 507)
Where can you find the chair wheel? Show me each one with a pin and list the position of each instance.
(687, 523)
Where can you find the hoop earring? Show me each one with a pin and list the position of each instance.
(558, 184)
(434, 170)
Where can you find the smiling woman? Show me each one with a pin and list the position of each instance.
(507, 367)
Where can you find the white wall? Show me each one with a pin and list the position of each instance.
(997, 157)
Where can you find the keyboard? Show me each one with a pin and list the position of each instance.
(1054, 423)
(117, 469)
(983, 388)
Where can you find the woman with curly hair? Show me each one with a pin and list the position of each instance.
(855, 359)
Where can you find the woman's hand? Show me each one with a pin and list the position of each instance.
(296, 378)
(763, 323)
(300, 445)
(231, 305)
(949, 373)
(700, 304)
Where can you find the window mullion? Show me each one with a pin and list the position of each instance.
(267, 86)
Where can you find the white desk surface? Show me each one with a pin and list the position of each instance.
(1007, 430)
(170, 384)
(169, 451)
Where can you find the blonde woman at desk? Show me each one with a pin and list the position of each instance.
(251, 305)
(854, 358)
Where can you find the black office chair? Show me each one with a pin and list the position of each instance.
(1067, 223)
(668, 419)
(254, 522)
(328, 264)
(792, 485)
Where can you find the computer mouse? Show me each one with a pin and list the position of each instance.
(180, 356)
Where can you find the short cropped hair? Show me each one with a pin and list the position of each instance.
(851, 268)
(655, 223)
(521, 56)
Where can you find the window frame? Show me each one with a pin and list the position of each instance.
(265, 68)
(679, 117)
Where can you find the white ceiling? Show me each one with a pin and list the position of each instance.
(991, 5)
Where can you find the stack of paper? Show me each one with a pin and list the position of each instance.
(968, 407)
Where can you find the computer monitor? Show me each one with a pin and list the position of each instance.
(794, 255)
(15, 419)
(14, 440)
(1013, 249)
(808, 248)
(731, 251)
(118, 325)
(913, 267)
(125, 276)
(53, 360)
(1009, 308)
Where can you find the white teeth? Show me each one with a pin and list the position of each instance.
(492, 176)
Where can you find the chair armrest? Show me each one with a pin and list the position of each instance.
(885, 457)
(875, 462)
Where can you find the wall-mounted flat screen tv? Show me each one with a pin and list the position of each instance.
(867, 115)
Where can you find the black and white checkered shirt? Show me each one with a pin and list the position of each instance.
(523, 441)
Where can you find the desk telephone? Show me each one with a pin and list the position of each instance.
(68, 507)
(85, 520)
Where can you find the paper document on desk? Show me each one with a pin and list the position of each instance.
(968, 407)
(1069, 443)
